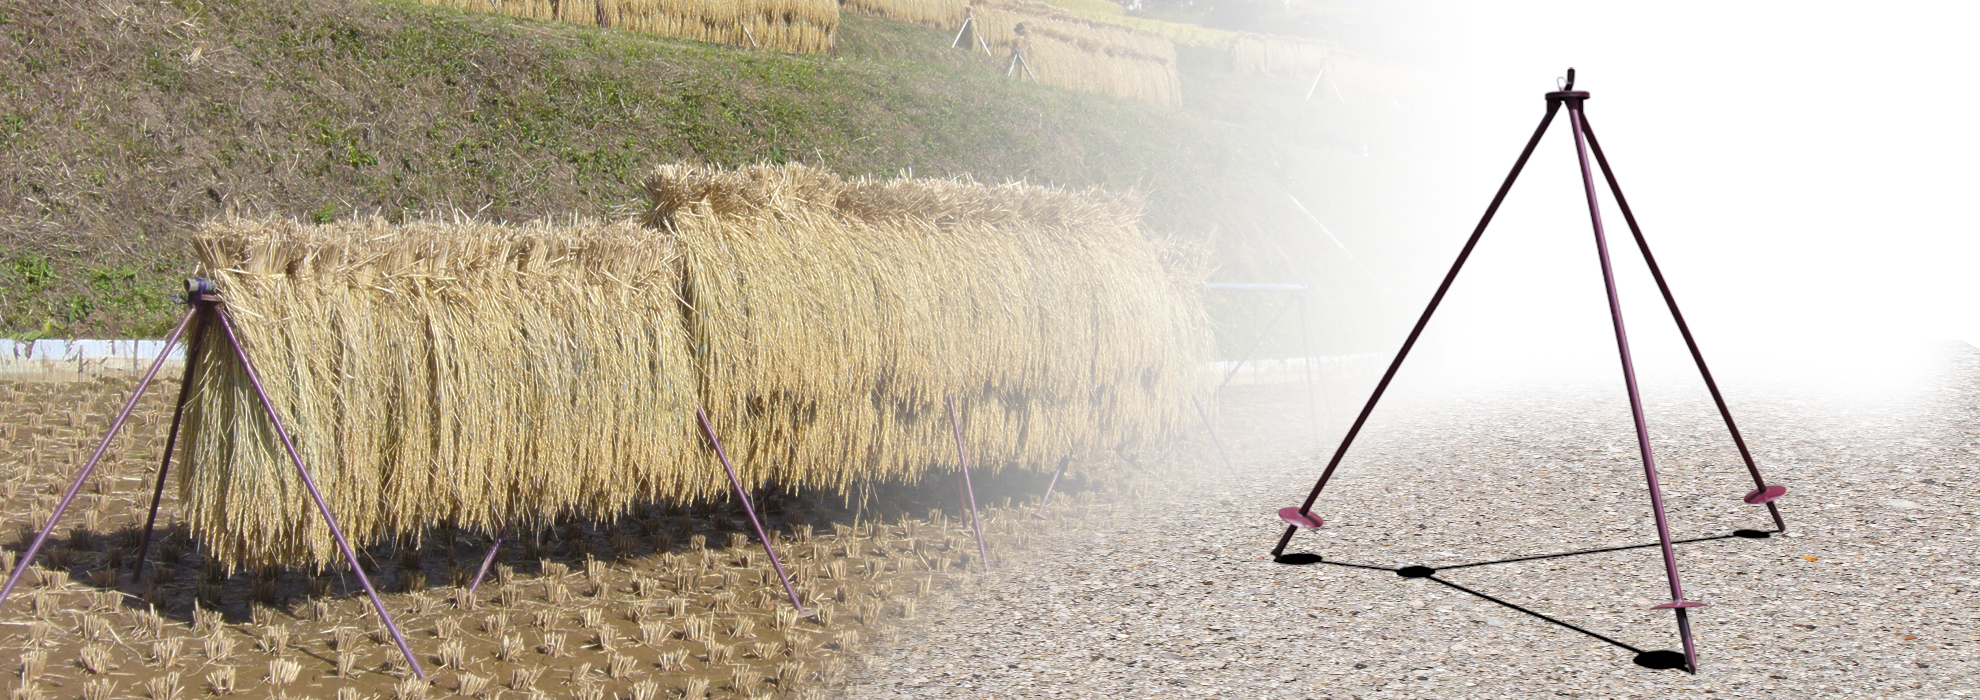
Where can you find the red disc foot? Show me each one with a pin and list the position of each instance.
(1759, 496)
(1293, 517)
(1679, 604)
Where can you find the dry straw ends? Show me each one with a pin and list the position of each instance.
(833, 316)
(790, 26)
(436, 374)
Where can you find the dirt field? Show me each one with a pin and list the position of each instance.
(1528, 503)
(663, 603)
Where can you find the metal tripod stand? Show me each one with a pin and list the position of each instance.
(1584, 140)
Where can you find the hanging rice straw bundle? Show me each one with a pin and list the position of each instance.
(1071, 51)
(941, 14)
(1267, 54)
(1182, 34)
(1074, 62)
(832, 316)
(436, 374)
(791, 26)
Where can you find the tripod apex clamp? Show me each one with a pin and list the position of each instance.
(198, 289)
(1567, 91)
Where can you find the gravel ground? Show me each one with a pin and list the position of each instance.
(1870, 594)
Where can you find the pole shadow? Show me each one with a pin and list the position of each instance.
(1657, 659)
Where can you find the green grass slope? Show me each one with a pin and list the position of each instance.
(123, 124)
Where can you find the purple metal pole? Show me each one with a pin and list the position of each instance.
(1574, 100)
(172, 438)
(1212, 430)
(27, 557)
(1053, 485)
(309, 482)
(969, 491)
(750, 509)
(1260, 340)
(1656, 273)
(1414, 333)
(482, 573)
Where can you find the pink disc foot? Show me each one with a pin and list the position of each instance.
(1759, 496)
(1679, 604)
(1293, 517)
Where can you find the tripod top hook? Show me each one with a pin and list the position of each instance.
(1567, 91)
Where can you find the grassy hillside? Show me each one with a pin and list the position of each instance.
(123, 124)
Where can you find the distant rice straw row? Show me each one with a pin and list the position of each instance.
(1265, 54)
(941, 14)
(790, 26)
(1065, 49)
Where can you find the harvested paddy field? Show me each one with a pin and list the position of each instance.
(661, 603)
(1871, 593)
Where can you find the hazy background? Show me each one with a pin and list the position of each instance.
(1802, 170)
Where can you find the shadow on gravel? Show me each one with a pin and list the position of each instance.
(1662, 659)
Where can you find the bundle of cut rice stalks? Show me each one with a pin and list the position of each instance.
(941, 14)
(437, 374)
(1071, 60)
(1181, 34)
(476, 375)
(832, 316)
(790, 26)
(1266, 54)
(1062, 48)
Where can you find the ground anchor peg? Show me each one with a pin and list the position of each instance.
(1293, 517)
(1765, 495)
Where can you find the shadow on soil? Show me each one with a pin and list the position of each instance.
(178, 578)
(1651, 659)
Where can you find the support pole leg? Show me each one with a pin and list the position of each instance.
(969, 491)
(750, 509)
(1308, 359)
(315, 494)
(1684, 329)
(1629, 383)
(1442, 288)
(1214, 440)
(1047, 500)
(172, 438)
(486, 561)
(75, 487)
(1256, 342)
(967, 21)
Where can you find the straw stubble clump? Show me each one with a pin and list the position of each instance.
(433, 374)
(477, 375)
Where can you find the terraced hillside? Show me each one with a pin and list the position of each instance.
(123, 124)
